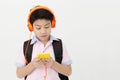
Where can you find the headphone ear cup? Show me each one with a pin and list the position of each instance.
(30, 27)
(53, 22)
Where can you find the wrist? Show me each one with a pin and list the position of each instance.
(53, 64)
(32, 65)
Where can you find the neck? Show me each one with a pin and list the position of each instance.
(45, 41)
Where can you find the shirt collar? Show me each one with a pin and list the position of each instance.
(34, 39)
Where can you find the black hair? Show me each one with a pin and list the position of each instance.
(41, 14)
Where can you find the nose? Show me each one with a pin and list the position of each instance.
(43, 30)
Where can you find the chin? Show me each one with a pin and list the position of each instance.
(44, 39)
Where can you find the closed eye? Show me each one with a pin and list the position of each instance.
(47, 25)
(37, 27)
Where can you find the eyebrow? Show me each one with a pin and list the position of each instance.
(46, 24)
(38, 25)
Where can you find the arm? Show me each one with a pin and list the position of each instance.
(23, 71)
(63, 69)
(60, 68)
(65, 66)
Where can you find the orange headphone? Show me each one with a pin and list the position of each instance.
(30, 27)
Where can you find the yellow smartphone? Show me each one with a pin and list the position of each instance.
(43, 56)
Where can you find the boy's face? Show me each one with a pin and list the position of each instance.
(42, 29)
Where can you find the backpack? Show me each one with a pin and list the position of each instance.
(57, 47)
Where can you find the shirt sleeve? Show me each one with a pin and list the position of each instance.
(20, 60)
(66, 57)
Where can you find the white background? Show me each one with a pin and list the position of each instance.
(89, 28)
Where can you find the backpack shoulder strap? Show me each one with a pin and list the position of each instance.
(28, 52)
(57, 47)
(58, 52)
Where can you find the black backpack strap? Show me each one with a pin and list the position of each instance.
(29, 50)
(58, 51)
(57, 47)
(28, 54)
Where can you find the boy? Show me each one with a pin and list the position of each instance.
(40, 20)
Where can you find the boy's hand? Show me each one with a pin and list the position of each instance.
(48, 62)
(46, 59)
(36, 63)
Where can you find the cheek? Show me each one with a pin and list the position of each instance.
(49, 30)
(36, 32)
